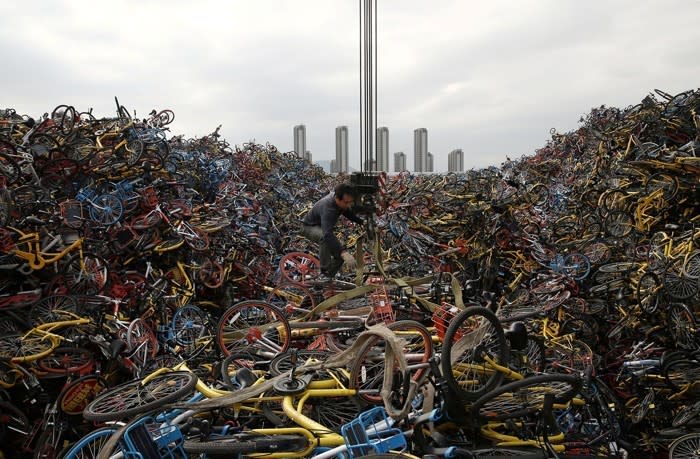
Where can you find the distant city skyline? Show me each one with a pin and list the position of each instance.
(424, 161)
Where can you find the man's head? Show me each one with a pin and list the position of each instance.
(345, 195)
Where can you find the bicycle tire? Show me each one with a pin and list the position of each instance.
(45, 309)
(679, 373)
(106, 210)
(367, 373)
(647, 292)
(199, 241)
(134, 397)
(88, 275)
(89, 446)
(299, 267)
(67, 360)
(676, 284)
(241, 443)
(141, 342)
(524, 397)
(27, 348)
(691, 265)
(505, 453)
(146, 221)
(685, 447)
(487, 336)
(686, 414)
(244, 325)
(576, 265)
(618, 224)
(189, 326)
(12, 419)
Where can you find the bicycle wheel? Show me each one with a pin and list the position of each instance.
(473, 334)
(647, 292)
(64, 361)
(299, 267)
(618, 224)
(576, 266)
(106, 209)
(141, 342)
(48, 308)
(248, 442)
(28, 348)
(134, 397)
(198, 241)
(526, 396)
(87, 275)
(190, 328)
(676, 283)
(686, 414)
(211, 274)
(367, 372)
(146, 221)
(660, 181)
(504, 452)
(255, 326)
(691, 265)
(685, 447)
(89, 446)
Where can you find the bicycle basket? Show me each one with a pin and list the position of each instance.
(150, 197)
(371, 433)
(72, 213)
(7, 244)
(378, 301)
(442, 316)
(85, 194)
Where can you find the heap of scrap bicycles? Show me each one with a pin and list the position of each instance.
(157, 301)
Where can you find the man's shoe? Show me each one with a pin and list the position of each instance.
(323, 278)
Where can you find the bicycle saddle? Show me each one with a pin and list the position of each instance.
(244, 377)
(517, 336)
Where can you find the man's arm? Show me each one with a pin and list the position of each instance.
(350, 215)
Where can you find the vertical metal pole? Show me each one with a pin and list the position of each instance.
(368, 84)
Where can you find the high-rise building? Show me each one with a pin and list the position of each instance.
(333, 167)
(300, 140)
(341, 149)
(455, 161)
(383, 149)
(307, 156)
(429, 165)
(399, 161)
(420, 150)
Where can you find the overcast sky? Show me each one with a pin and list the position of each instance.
(490, 77)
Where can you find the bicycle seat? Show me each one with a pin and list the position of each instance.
(517, 336)
(244, 377)
(116, 347)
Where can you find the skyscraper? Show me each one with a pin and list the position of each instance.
(341, 149)
(399, 161)
(300, 140)
(420, 150)
(307, 156)
(455, 161)
(333, 167)
(383, 149)
(429, 166)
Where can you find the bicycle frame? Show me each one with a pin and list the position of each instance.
(38, 257)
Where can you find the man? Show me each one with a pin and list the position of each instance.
(319, 225)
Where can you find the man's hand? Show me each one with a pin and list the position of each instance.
(349, 260)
